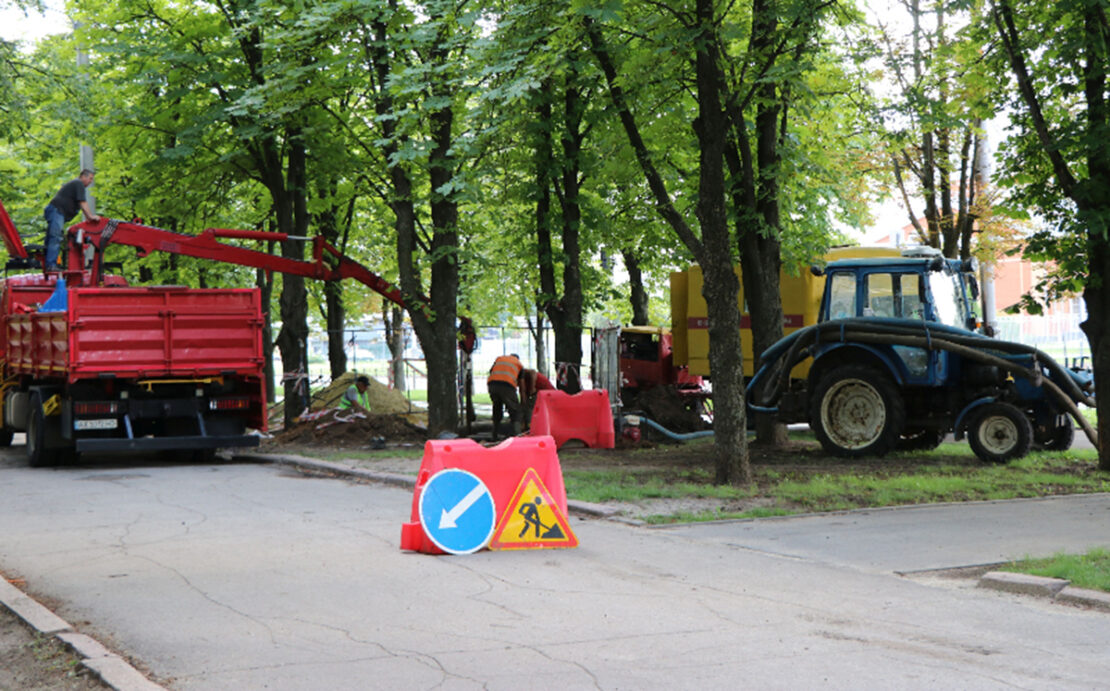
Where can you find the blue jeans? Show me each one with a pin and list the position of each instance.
(54, 224)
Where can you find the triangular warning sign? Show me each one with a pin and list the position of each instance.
(532, 519)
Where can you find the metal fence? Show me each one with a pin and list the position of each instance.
(368, 353)
(1059, 335)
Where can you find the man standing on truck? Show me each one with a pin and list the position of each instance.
(356, 396)
(64, 206)
(501, 384)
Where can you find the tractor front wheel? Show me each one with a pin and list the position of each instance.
(999, 432)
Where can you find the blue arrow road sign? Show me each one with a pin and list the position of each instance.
(457, 511)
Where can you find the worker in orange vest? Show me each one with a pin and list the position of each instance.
(501, 383)
(531, 383)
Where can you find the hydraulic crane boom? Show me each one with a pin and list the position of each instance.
(87, 242)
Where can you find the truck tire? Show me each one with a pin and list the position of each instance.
(37, 454)
(999, 432)
(857, 411)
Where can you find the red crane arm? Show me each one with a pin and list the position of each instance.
(327, 263)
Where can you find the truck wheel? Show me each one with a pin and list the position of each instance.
(1000, 432)
(37, 454)
(857, 411)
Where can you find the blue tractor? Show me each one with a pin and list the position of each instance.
(898, 363)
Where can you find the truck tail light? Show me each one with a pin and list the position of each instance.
(95, 408)
(229, 404)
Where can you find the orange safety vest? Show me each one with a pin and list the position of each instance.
(505, 369)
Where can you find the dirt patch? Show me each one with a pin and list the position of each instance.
(677, 410)
(345, 430)
(31, 661)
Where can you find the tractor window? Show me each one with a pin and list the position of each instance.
(842, 296)
(948, 299)
(912, 286)
(894, 295)
(880, 296)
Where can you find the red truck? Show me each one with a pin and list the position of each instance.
(90, 364)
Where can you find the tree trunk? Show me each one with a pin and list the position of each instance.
(757, 211)
(394, 320)
(568, 334)
(721, 288)
(438, 335)
(541, 341)
(265, 283)
(434, 324)
(713, 250)
(293, 337)
(1089, 195)
(336, 321)
(638, 296)
(327, 222)
(563, 311)
(1097, 328)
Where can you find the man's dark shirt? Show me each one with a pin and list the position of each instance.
(68, 199)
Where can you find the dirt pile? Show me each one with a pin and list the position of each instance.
(383, 400)
(342, 429)
(668, 407)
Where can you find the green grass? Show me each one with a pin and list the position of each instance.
(415, 452)
(600, 486)
(1090, 570)
(950, 474)
(1035, 475)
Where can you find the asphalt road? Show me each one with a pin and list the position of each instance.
(251, 576)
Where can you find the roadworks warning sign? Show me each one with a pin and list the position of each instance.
(532, 519)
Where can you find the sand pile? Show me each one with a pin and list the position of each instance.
(383, 400)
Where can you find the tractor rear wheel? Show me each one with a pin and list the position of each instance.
(857, 410)
(919, 439)
(1060, 438)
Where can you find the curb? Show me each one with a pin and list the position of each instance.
(110, 668)
(312, 465)
(1055, 589)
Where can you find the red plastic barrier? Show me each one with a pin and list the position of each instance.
(585, 416)
(501, 468)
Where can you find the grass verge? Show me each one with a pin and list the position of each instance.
(1090, 570)
(948, 474)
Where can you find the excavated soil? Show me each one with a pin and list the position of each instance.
(328, 432)
(383, 400)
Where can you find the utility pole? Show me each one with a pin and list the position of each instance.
(981, 166)
(85, 153)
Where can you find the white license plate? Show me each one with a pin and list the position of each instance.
(97, 423)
